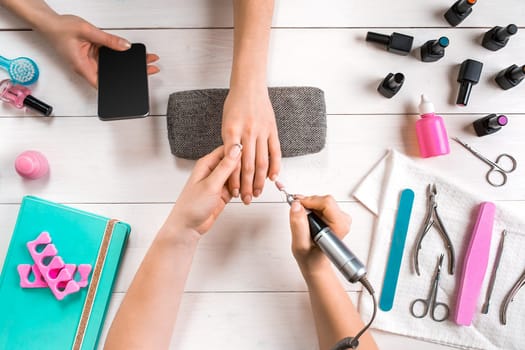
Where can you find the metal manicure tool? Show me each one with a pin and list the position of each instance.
(485, 308)
(495, 167)
(509, 298)
(428, 223)
(430, 305)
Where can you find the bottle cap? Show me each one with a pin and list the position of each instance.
(31, 165)
(426, 107)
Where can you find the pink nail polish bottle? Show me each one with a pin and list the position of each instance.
(431, 133)
(20, 97)
(31, 165)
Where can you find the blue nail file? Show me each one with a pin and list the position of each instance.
(396, 250)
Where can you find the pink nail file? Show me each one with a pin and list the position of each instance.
(475, 265)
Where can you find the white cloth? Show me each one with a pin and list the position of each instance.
(380, 192)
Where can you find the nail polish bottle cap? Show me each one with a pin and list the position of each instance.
(31, 165)
(426, 107)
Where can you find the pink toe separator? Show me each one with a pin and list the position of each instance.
(56, 275)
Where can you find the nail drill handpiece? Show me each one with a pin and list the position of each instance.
(338, 253)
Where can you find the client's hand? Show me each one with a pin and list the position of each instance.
(308, 256)
(248, 118)
(205, 193)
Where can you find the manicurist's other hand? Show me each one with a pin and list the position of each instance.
(205, 194)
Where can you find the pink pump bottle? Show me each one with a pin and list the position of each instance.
(20, 96)
(431, 133)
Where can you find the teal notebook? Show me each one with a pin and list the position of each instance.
(32, 318)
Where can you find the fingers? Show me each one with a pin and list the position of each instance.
(327, 208)
(247, 170)
(206, 164)
(150, 58)
(100, 37)
(224, 169)
(274, 152)
(261, 167)
(234, 183)
(301, 240)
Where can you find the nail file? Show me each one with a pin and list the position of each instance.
(396, 250)
(475, 265)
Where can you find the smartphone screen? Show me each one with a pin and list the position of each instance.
(122, 83)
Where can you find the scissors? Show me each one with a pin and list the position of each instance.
(431, 304)
(495, 167)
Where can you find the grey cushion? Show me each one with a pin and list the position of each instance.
(195, 117)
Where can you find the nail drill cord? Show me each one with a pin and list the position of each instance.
(349, 342)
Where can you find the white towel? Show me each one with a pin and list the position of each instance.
(380, 192)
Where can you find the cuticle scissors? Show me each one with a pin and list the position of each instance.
(495, 167)
(430, 305)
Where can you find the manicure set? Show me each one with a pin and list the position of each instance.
(473, 267)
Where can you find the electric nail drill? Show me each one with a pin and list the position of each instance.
(510, 77)
(345, 261)
(459, 11)
(498, 37)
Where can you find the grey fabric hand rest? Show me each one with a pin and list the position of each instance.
(195, 118)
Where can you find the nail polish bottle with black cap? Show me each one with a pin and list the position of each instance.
(20, 97)
(459, 11)
(498, 37)
(510, 77)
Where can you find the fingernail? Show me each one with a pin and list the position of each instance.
(125, 43)
(235, 150)
(298, 196)
(235, 192)
(296, 206)
(273, 177)
(256, 193)
(247, 199)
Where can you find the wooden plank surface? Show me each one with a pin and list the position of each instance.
(130, 161)
(124, 169)
(339, 61)
(288, 13)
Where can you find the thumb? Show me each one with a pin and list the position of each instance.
(100, 37)
(226, 166)
(299, 227)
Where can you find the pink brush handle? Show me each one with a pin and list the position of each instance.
(475, 265)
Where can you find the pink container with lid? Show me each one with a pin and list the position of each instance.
(31, 165)
(431, 133)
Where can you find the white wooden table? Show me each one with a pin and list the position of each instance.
(245, 291)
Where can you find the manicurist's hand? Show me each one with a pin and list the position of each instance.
(78, 42)
(147, 315)
(205, 193)
(248, 118)
(308, 256)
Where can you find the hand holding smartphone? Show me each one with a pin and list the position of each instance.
(123, 83)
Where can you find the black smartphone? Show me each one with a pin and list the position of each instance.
(122, 83)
